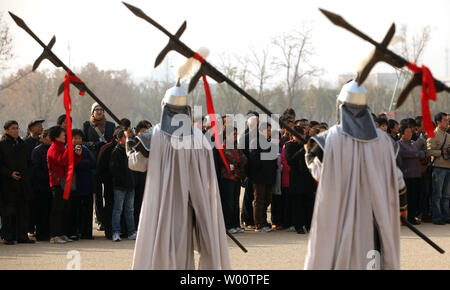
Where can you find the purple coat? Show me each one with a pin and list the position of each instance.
(411, 156)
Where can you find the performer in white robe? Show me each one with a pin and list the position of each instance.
(181, 204)
(357, 208)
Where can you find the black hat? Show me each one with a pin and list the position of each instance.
(34, 122)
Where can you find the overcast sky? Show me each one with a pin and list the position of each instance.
(107, 33)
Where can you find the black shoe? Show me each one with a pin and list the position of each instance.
(88, 237)
(414, 222)
(301, 231)
(100, 228)
(26, 241)
(439, 223)
(9, 242)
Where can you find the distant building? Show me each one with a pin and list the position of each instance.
(164, 72)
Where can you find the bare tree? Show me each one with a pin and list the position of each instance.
(259, 62)
(5, 44)
(296, 49)
(412, 48)
(228, 100)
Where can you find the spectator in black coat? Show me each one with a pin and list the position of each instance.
(300, 198)
(123, 182)
(262, 172)
(41, 188)
(98, 131)
(244, 144)
(15, 175)
(104, 156)
(32, 140)
(139, 177)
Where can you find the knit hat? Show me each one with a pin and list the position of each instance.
(93, 107)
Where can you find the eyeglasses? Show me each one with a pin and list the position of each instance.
(99, 110)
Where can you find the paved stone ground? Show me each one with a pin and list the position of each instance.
(277, 250)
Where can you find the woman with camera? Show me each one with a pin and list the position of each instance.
(58, 163)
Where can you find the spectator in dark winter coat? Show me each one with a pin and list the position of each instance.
(301, 193)
(58, 163)
(104, 156)
(123, 182)
(32, 140)
(97, 132)
(81, 205)
(41, 187)
(244, 144)
(262, 172)
(411, 156)
(15, 175)
(139, 177)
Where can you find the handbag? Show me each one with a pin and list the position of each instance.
(62, 182)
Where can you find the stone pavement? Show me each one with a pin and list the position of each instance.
(277, 250)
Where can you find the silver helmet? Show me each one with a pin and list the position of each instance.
(176, 114)
(354, 115)
(176, 96)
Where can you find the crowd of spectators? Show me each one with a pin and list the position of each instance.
(33, 172)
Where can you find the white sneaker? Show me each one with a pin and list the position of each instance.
(65, 238)
(116, 237)
(291, 229)
(239, 230)
(57, 240)
(232, 231)
(133, 236)
(264, 229)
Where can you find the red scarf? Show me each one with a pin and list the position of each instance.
(428, 93)
(211, 113)
(68, 106)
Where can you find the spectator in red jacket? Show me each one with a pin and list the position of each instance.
(58, 163)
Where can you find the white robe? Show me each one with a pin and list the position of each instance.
(358, 180)
(181, 184)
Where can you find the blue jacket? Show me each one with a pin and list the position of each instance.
(84, 172)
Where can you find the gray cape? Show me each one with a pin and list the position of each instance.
(357, 182)
(181, 197)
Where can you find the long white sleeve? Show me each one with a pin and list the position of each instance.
(137, 161)
(315, 167)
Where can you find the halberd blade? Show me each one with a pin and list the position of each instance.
(19, 21)
(340, 21)
(136, 11)
(376, 56)
(171, 45)
(79, 86)
(195, 79)
(45, 55)
(415, 81)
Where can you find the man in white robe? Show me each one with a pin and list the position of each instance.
(181, 205)
(356, 220)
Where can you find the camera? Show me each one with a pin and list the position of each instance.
(446, 154)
